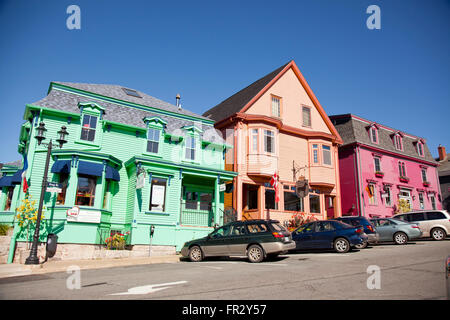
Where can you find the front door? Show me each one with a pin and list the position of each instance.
(250, 202)
(329, 204)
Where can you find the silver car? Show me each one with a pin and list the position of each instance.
(396, 230)
(433, 223)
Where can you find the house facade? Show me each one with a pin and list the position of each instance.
(131, 162)
(380, 166)
(278, 127)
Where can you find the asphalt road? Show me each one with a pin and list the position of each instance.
(413, 271)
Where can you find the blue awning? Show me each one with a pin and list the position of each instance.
(112, 173)
(61, 166)
(6, 181)
(16, 178)
(90, 168)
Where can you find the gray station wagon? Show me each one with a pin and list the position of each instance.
(255, 239)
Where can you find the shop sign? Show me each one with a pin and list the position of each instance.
(54, 187)
(75, 214)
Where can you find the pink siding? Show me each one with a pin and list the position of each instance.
(389, 166)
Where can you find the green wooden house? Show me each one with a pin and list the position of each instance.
(131, 161)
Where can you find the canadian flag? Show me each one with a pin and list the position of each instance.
(274, 184)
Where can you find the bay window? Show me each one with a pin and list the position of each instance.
(269, 141)
(85, 195)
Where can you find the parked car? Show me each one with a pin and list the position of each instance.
(433, 223)
(396, 230)
(255, 239)
(329, 234)
(369, 228)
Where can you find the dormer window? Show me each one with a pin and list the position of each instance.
(398, 143)
(155, 134)
(373, 132)
(420, 149)
(190, 148)
(153, 140)
(88, 128)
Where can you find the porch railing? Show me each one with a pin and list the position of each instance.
(197, 213)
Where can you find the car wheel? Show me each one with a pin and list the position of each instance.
(341, 245)
(195, 254)
(255, 253)
(400, 238)
(438, 234)
(362, 245)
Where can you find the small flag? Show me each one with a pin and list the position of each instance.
(24, 171)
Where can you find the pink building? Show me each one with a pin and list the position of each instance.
(380, 165)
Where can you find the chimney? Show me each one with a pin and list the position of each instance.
(178, 101)
(442, 153)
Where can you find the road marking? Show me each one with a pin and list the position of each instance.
(148, 289)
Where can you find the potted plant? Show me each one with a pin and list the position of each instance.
(426, 183)
(379, 174)
(404, 179)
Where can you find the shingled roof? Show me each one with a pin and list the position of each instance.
(237, 101)
(62, 98)
(354, 129)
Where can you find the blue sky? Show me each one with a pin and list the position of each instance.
(398, 76)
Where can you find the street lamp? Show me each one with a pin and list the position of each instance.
(40, 136)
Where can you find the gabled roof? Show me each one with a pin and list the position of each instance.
(354, 129)
(242, 100)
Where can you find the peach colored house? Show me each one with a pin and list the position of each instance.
(277, 125)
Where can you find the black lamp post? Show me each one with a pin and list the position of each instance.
(40, 136)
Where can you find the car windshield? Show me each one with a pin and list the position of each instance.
(221, 232)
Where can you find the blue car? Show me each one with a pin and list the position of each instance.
(329, 234)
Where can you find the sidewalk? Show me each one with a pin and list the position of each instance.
(14, 269)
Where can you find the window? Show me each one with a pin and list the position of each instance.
(402, 169)
(190, 148)
(420, 149)
(255, 140)
(270, 199)
(191, 200)
(324, 226)
(158, 195)
(88, 127)
(314, 203)
(257, 228)
(315, 153)
(64, 180)
(252, 198)
(433, 201)
(221, 232)
(153, 140)
(205, 201)
(307, 228)
(86, 190)
(421, 201)
(9, 196)
(238, 230)
(373, 134)
(292, 202)
(388, 196)
(435, 215)
(419, 216)
(276, 107)
(306, 112)
(398, 142)
(424, 175)
(131, 92)
(371, 191)
(326, 153)
(269, 141)
(377, 163)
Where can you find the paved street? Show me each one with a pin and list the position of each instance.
(414, 271)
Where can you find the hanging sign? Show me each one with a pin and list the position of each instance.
(222, 187)
(140, 180)
(54, 187)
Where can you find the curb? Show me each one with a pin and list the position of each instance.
(13, 270)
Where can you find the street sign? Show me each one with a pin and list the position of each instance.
(54, 187)
(222, 187)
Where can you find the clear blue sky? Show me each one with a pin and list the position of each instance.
(207, 50)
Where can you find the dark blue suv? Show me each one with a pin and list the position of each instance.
(369, 228)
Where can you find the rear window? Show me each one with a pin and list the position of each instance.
(435, 215)
(277, 227)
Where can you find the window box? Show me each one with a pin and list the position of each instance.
(404, 179)
(379, 174)
(426, 183)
